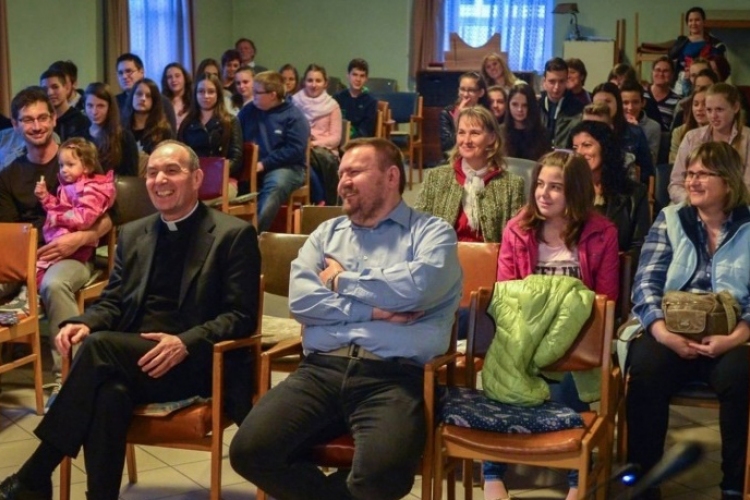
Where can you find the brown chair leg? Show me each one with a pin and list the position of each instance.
(65, 471)
(130, 462)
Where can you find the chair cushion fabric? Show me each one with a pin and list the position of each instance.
(470, 408)
(277, 329)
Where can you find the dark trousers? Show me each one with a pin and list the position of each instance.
(379, 402)
(95, 404)
(656, 373)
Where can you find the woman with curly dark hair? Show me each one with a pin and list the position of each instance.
(144, 117)
(621, 200)
(523, 134)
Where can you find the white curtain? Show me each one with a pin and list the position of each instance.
(161, 33)
(525, 28)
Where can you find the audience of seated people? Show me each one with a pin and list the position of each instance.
(471, 92)
(177, 86)
(522, 132)
(577, 74)
(324, 117)
(210, 130)
(494, 117)
(357, 105)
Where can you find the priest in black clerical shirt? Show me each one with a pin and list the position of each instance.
(184, 279)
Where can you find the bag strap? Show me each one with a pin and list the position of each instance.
(730, 305)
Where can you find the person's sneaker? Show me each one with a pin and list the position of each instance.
(55, 386)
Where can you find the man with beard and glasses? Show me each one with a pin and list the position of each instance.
(376, 291)
(34, 119)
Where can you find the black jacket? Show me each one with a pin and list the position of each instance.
(207, 140)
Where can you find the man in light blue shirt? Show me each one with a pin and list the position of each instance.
(377, 292)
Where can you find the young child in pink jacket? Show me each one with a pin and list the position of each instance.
(85, 194)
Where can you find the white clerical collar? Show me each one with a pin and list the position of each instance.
(172, 224)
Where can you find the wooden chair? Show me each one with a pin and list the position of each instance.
(99, 279)
(524, 169)
(626, 285)
(199, 426)
(246, 206)
(346, 132)
(382, 85)
(567, 449)
(300, 195)
(382, 125)
(307, 218)
(339, 452)
(405, 108)
(277, 251)
(18, 265)
(214, 188)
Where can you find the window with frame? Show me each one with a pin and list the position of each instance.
(525, 28)
(160, 33)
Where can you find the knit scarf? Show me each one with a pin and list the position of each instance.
(473, 185)
(314, 107)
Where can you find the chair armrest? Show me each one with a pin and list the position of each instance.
(287, 347)
(230, 345)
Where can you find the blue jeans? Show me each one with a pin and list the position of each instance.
(564, 392)
(275, 189)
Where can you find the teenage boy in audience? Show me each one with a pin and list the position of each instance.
(577, 79)
(129, 71)
(633, 103)
(560, 110)
(661, 99)
(75, 99)
(34, 119)
(246, 48)
(377, 291)
(281, 132)
(70, 122)
(357, 105)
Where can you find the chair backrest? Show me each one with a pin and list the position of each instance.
(589, 350)
(661, 185)
(402, 105)
(381, 85)
(132, 201)
(277, 251)
(309, 217)
(626, 284)
(346, 132)
(250, 165)
(18, 240)
(381, 126)
(479, 265)
(523, 168)
(215, 178)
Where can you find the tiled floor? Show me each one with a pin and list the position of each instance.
(179, 474)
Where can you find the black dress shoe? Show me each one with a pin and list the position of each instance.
(12, 489)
